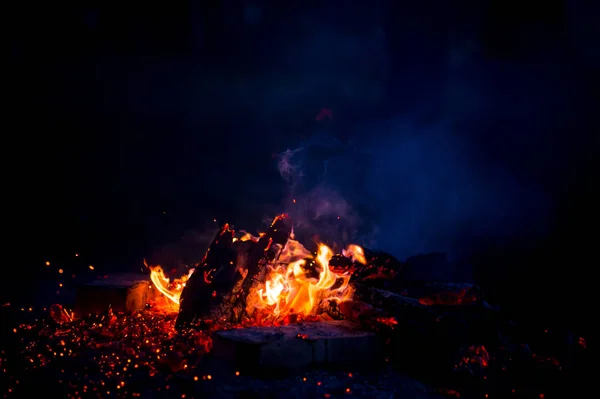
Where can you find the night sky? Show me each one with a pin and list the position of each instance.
(467, 127)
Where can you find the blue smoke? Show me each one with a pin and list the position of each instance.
(410, 190)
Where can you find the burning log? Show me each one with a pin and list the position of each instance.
(388, 301)
(437, 300)
(220, 285)
(264, 252)
(375, 308)
(421, 313)
(374, 268)
(121, 292)
(200, 295)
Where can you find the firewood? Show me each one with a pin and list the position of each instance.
(263, 253)
(411, 310)
(218, 289)
(383, 306)
(380, 269)
(210, 280)
(377, 309)
(416, 330)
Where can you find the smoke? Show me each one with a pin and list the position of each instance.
(409, 189)
(290, 167)
(455, 167)
(187, 251)
(319, 211)
(434, 190)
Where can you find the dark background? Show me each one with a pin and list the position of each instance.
(468, 127)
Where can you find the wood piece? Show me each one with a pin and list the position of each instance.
(263, 253)
(373, 303)
(211, 279)
(391, 303)
(230, 269)
(418, 333)
(122, 292)
(297, 346)
(381, 270)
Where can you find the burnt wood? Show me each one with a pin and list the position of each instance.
(264, 252)
(218, 289)
(210, 280)
(381, 270)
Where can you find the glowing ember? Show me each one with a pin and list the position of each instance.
(142, 355)
(108, 353)
(474, 355)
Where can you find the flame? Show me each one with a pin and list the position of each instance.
(169, 290)
(296, 284)
(248, 236)
(294, 287)
(356, 253)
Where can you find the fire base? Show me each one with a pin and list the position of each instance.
(332, 343)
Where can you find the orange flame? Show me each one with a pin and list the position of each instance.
(290, 288)
(356, 253)
(248, 236)
(169, 290)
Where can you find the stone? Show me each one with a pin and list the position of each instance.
(127, 293)
(297, 346)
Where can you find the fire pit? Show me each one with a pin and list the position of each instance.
(266, 280)
(326, 324)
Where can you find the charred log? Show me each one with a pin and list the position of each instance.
(389, 301)
(211, 279)
(218, 289)
(418, 332)
(264, 252)
(455, 306)
(380, 269)
(427, 294)
(373, 306)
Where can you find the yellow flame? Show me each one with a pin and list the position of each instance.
(170, 290)
(289, 289)
(356, 253)
(248, 236)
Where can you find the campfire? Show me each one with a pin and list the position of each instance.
(267, 303)
(288, 284)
